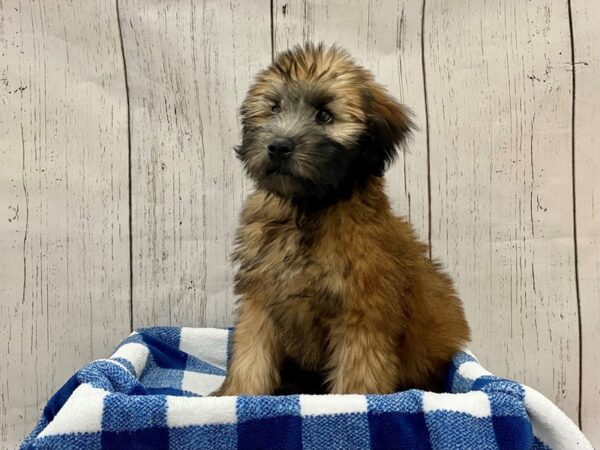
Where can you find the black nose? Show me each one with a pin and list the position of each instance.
(280, 148)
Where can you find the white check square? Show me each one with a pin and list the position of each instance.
(316, 405)
(189, 411)
(474, 403)
(82, 413)
(201, 383)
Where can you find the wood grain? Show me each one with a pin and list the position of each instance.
(586, 39)
(510, 174)
(499, 91)
(384, 36)
(63, 200)
(189, 65)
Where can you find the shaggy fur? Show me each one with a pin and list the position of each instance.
(328, 277)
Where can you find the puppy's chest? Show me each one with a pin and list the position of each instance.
(282, 267)
(286, 268)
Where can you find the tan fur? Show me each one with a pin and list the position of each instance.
(348, 290)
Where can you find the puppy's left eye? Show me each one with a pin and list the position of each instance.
(324, 116)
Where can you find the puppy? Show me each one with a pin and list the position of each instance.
(328, 277)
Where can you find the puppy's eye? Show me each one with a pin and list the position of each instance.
(276, 108)
(324, 116)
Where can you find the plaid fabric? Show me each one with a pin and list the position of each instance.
(149, 394)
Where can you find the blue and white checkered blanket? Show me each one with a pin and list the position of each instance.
(149, 394)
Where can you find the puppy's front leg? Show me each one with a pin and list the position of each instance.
(256, 356)
(363, 359)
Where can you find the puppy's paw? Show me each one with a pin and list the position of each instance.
(226, 389)
(221, 392)
(231, 389)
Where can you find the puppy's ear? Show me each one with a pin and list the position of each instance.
(388, 124)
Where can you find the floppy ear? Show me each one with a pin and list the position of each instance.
(388, 124)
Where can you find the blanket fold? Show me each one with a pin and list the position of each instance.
(151, 393)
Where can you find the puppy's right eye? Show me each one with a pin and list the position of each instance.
(276, 108)
(324, 116)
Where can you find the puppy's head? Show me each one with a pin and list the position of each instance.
(316, 125)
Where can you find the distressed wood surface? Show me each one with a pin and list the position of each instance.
(510, 174)
(384, 36)
(63, 200)
(499, 92)
(189, 65)
(586, 40)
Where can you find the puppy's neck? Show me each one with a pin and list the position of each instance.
(364, 204)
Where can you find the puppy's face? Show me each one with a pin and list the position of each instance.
(316, 125)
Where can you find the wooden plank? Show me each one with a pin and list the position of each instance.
(64, 269)
(384, 36)
(586, 34)
(189, 66)
(499, 91)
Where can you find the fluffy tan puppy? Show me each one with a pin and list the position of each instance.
(328, 277)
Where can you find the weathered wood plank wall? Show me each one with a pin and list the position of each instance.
(117, 122)
(501, 193)
(189, 65)
(63, 199)
(586, 180)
